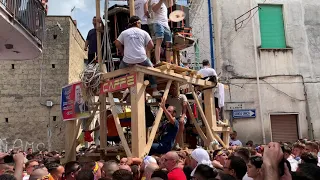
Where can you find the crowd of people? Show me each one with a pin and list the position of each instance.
(275, 161)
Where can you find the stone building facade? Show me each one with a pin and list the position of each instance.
(26, 86)
(280, 83)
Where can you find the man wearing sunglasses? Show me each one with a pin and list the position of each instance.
(71, 170)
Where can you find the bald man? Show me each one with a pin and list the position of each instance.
(38, 174)
(171, 161)
(109, 168)
(150, 169)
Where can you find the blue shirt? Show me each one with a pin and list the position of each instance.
(169, 133)
(92, 39)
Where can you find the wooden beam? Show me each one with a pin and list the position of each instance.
(156, 122)
(118, 126)
(199, 130)
(98, 29)
(71, 136)
(116, 73)
(212, 135)
(131, 8)
(172, 76)
(138, 121)
(210, 109)
(103, 119)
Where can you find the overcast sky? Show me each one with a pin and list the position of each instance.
(83, 12)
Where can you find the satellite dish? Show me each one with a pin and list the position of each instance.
(177, 16)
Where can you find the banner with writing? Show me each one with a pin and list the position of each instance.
(118, 83)
(73, 105)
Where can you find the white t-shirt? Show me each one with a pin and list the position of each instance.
(235, 143)
(139, 9)
(219, 93)
(293, 163)
(135, 41)
(177, 102)
(246, 177)
(207, 71)
(161, 15)
(26, 177)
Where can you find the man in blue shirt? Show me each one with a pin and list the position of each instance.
(91, 40)
(168, 131)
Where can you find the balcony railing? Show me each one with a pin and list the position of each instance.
(29, 13)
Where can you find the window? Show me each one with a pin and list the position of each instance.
(12, 66)
(53, 66)
(7, 120)
(272, 27)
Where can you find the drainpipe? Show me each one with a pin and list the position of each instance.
(211, 34)
(258, 78)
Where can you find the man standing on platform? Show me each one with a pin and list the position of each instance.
(91, 40)
(161, 29)
(206, 70)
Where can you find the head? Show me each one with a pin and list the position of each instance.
(254, 167)
(135, 21)
(86, 174)
(171, 160)
(312, 147)
(125, 167)
(30, 166)
(205, 63)
(7, 177)
(244, 153)
(298, 149)
(159, 175)
(135, 169)
(38, 174)
(71, 170)
(150, 169)
(286, 151)
(249, 143)
(204, 172)
(310, 170)
(94, 21)
(122, 174)
(78, 94)
(29, 151)
(199, 156)
(56, 170)
(223, 176)
(233, 135)
(221, 156)
(172, 110)
(235, 166)
(109, 168)
(123, 161)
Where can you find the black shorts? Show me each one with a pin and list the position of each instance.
(145, 27)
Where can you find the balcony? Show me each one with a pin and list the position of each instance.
(21, 29)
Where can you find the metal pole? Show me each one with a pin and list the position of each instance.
(211, 34)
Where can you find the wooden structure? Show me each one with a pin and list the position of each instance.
(133, 78)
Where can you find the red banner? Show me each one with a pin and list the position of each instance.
(119, 83)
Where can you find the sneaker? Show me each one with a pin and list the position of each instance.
(156, 94)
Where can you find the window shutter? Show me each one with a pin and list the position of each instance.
(272, 26)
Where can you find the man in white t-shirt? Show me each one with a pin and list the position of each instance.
(142, 11)
(233, 140)
(161, 29)
(207, 71)
(132, 43)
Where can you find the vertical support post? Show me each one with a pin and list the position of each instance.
(71, 138)
(210, 109)
(103, 126)
(98, 29)
(138, 121)
(131, 7)
(178, 58)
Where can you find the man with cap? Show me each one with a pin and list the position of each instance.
(132, 44)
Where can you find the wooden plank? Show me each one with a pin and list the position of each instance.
(116, 73)
(156, 122)
(103, 124)
(131, 8)
(226, 138)
(199, 130)
(210, 109)
(70, 137)
(172, 76)
(98, 29)
(118, 125)
(138, 121)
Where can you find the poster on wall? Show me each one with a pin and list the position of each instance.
(73, 105)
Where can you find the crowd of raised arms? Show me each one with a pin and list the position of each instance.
(284, 161)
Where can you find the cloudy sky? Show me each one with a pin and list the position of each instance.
(83, 12)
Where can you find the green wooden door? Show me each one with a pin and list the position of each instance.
(272, 26)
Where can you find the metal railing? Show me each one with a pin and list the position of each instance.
(29, 13)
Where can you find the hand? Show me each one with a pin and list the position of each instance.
(272, 155)
(2, 155)
(18, 158)
(163, 103)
